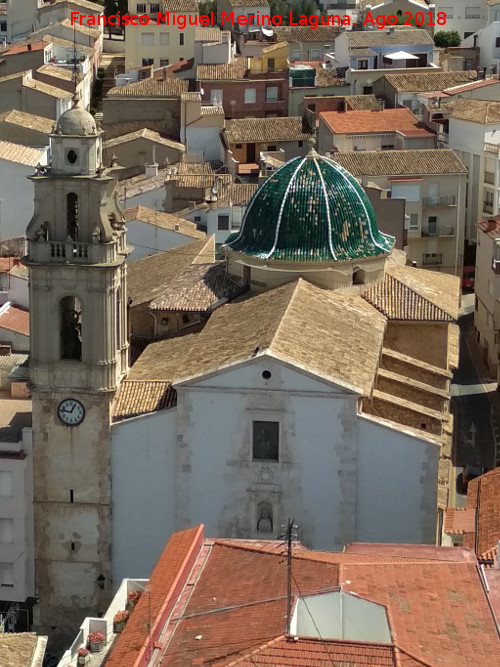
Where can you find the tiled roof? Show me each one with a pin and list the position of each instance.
(46, 89)
(172, 87)
(20, 154)
(274, 47)
(248, 3)
(459, 520)
(401, 163)
(224, 604)
(56, 72)
(179, 6)
(483, 496)
(383, 120)
(398, 301)
(15, 319)
(325, 78)
(148, 275)
(309, 210)
(226, 72)
(91, 6)
(360, 102)
(174, 69)
(27, 120)
(145, 133)
(441, 289)
(176, 557)
(22, 649)
(303, 33)
(253, 130)
(420, 82)
(398, 37)
(197, 289)
(278, 322)
(482, 83)
(286, 653)
(135, 397)
(84, 29)
(163, 220)
(207, 34)
(212, 110)
(476, 111)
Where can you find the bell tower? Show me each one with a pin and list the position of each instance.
(79, 347)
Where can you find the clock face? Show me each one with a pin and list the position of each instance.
(71, 412)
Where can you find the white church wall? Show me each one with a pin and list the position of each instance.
(397, 489)
(219, 483)
(16, 198)
(143, 494)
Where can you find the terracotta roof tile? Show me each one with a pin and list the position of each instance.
(172, 87)
(476, 111)
(197, 289)
(490, 226)
(15, 319)
(483, 495)
(22, 649)
(145, 133)
(28, 120)
(251, 130)
(401, 163)
(303, 33)
(135, 398)
(20, 154)
(175, 559)
(459, 520)
(227, 606)
(163, 220)
(399, 37)
(397, 301)
(148, 275)
(420, 82)
(279, 322)
(225, 72)
(248, 3)
(382, 120)
(56, 72)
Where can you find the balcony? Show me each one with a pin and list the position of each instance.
(488, 207)
(491, 148)
(75, 252)
(438, 230)
(433, 259)
(439, 202)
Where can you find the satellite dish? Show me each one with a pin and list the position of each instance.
(267, 32)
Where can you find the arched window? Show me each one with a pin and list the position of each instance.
(71, 328)
(72, 216)
(264, 517)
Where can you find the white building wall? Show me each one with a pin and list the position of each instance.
(151, 199)
(489, 52)
(457, 18)
(143, 491)
(16, 504)
(16, 197)
(468, 140)
(397, 485)
(205, 140)
(147, 239)
(21, 18)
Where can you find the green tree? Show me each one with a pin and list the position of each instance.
(445, 38)
(207, 6)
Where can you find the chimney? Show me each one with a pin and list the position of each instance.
(29, 47)
(152, 167)
(414, 264)
(484, 72)
(491, 224)
(391, 31)
(382, 104)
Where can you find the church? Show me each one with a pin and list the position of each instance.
(306, 377)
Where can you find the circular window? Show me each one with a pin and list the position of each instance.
(72, 156)
(266, 375)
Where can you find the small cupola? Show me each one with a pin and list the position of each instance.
(76, 144)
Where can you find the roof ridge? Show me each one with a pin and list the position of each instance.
(259, 649)
(297, 286)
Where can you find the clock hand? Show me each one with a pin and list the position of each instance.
(74, 406)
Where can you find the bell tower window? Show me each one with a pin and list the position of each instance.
(71, 331)
(72, 216)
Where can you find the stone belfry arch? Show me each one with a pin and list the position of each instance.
(79, 349)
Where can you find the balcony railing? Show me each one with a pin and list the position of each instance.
(438, 230)
(432, 259)
(436, 202)
(491, 148)
(79, 252)
(488, 207)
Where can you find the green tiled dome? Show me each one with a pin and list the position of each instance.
(310, 209)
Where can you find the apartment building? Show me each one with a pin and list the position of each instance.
(487, 291)
(464, 16)
(160, 44)
(474, 133)
(367, 130)
(432, 182)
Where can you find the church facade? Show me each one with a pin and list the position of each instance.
(318, 390)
